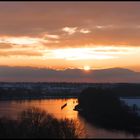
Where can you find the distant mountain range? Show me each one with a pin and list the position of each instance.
(29, 74)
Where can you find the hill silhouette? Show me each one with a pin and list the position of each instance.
(31, 74)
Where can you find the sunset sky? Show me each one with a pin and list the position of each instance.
(75, 35)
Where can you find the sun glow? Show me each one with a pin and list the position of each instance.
(87, 68)
(86, 53)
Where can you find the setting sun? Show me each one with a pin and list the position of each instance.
(87, 41)
(86, 68)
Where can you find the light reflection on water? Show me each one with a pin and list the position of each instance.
(53, 106)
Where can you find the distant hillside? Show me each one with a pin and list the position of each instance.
(29, 74)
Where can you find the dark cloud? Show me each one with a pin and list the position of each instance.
(107, 36)
(33, 18)
(29, 74)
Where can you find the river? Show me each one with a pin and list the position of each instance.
(53, 106)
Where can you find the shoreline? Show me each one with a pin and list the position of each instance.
(37, 98)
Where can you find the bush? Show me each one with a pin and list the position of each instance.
(36, 123)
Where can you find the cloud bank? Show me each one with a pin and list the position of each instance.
(45, 33)
(108, 23)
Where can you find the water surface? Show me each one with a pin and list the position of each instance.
(53, 106)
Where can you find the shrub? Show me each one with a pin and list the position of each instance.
(36, 123)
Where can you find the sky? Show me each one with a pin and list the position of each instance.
(70, 35)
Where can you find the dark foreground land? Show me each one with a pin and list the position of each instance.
(103, 108)
(36, 123)
(99, 104)
(16, 91)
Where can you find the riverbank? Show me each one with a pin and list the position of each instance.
(53, 106)
(104, 109)
(36, 123)
(37, 98)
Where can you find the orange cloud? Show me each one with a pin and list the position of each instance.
(52, 36)
(69, 30)
(85, 31)
(20, 53)
(5, 46)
